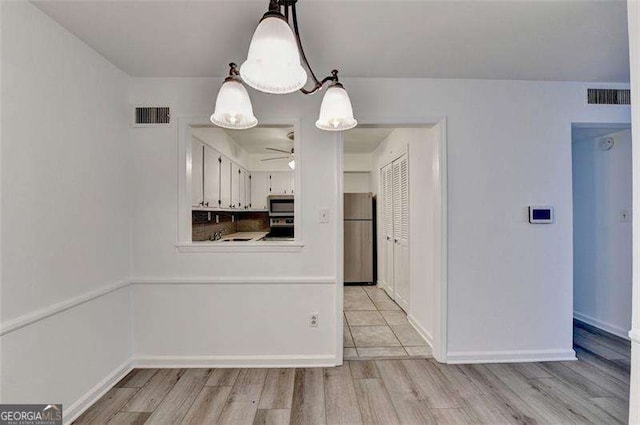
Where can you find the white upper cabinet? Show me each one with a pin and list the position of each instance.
(259, 189)
(225, 183)
(211, 178)
(292, 183)
(235, 185)
(197, 162)
(220, 183)
(247, 190)
(242, 188)
(281, 183)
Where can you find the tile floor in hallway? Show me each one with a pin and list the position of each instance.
(375, 327)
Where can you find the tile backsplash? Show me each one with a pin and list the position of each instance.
(204, 226)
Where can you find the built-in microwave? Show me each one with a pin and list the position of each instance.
(280, 205)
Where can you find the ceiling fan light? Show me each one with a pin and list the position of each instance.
(336, 113)
(292, 164)
(233, 107)
(273, 62)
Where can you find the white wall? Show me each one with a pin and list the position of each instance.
(65, 212)
(357, 182)
(357, 172)
(421, 145)
(510, 283)
(502, 271)
(308, 276)
(357, 162)
(601, 241)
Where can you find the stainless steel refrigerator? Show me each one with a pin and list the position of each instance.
(359, 231)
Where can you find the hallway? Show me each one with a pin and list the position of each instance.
(376, 327)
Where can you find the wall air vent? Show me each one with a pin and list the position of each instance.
(609, 96)
(152, 115)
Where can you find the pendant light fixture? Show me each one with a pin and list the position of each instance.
(233, 107)
(274, 66)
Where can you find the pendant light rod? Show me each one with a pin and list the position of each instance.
(317, 83)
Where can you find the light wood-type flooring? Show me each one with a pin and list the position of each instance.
(592, 390)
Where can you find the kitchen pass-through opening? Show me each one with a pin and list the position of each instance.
(242, 184)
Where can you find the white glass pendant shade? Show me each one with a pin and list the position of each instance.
(233, 107)
(336, 113)
(273, 61)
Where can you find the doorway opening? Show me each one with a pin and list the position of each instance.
(394, 236)
(602, 238)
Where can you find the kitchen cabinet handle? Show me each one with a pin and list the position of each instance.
(395, 240)
(388, 238)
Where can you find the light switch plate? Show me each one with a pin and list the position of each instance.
(323, 217)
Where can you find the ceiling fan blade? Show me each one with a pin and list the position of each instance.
(278, 150)
(272, 159)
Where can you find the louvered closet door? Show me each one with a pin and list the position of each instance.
(401, 230)
(386, 176)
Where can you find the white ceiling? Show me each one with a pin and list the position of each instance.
(589, 133)
(365, 139)
(577, 40)
(256, 139)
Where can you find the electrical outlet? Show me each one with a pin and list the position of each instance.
(313, 320)
(624, 216)
(217, 219)
(209, 216)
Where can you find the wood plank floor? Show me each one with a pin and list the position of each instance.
(592, 390)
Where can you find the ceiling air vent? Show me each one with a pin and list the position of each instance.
(152, 115)
(609, 96)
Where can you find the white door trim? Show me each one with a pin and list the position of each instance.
(339, 223)
(440, 301)
(633, 16)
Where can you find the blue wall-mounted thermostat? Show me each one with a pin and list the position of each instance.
(540, 215)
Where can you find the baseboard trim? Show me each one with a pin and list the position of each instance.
(76, 409)
(421, 330)
(612, 329)
(515, 356)
(327, 360)
(44, 313)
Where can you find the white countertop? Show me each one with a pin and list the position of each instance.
(254, 236)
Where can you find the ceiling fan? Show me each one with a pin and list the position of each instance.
(290, 154)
